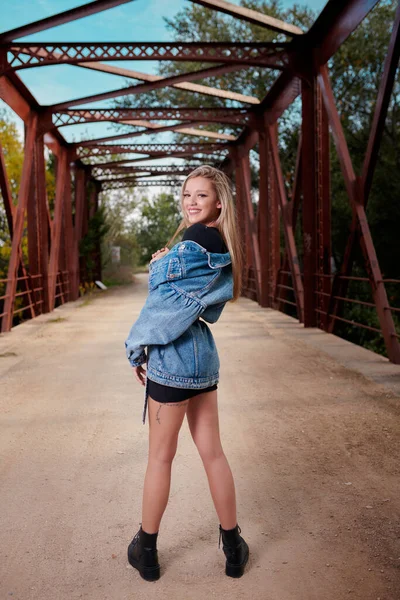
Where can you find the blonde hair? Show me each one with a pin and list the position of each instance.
(226, 222)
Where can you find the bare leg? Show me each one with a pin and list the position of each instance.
(202, 416)
(165, 421)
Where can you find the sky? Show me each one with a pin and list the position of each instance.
(139, 20)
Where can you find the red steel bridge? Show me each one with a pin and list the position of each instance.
(52, 275)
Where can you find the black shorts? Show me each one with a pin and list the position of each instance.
(165, 393)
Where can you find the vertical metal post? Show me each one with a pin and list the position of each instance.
(19, 223)
(38, 243)
(71, 254)
(80, 191)
(283, 277)
(274, 219)
(264, 222)
(310, 199)
(253, 248)
(324, 282)
(240, 210)
(97, 258)
(56, 228)
(287, 223)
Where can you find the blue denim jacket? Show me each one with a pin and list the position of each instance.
(187, 283)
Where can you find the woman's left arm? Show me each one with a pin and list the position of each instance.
(165, 316)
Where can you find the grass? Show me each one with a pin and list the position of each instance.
(56, 320)
(86, 301)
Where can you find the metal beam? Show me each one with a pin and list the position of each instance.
(112, 185)
(62, 172)
(287, 222)
(213, 91)
(65, 17)
(153, 169)
(333, 26)
(188, 87)
(19, 224)
(354, 192)
(234, 116)
(151, 127)
(37, 54)
(152, 149)
(163, 82)
(11, 96)
(251, 16)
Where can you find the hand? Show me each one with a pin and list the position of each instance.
(140, 374)
(159, 253)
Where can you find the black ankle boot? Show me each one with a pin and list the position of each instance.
(235, 549)
(143, 556)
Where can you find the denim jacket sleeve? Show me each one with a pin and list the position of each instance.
(167, 313)
(213, 312)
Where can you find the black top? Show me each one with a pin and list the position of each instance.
(208, 237)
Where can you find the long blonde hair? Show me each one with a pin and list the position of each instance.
(226, 223)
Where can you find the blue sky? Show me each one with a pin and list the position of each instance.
(139, 20)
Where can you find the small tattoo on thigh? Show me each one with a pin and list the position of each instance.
(175, 404)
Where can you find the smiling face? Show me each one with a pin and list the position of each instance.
(200, 203)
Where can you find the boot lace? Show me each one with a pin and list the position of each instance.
(136, 536)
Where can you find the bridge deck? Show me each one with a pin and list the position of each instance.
(313, 445)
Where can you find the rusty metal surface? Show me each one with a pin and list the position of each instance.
(257, 54)
(234, 116)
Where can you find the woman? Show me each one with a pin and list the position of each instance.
(194, 279)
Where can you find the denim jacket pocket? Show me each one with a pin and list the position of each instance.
(174, 271)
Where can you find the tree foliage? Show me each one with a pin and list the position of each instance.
(159, 219)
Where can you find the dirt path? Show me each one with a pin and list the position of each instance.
(314, 448)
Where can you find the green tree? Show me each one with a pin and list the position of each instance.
(119, 208)
(158, 221)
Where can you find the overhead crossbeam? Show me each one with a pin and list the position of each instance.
(182, 81)
(156, 156)
(38, 54)
(234, 116)
(59, 19)
(113, 185)
(182, 128)
(127, 162)
(251, 16)
(163, 82)
(152, 149)
(150, 127)
(99, 170)
(185, 78)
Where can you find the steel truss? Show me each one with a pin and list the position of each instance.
(234, 116)
(150, 149)
(152, 169)
(117, 184)
(28, 55)
(55, 270)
